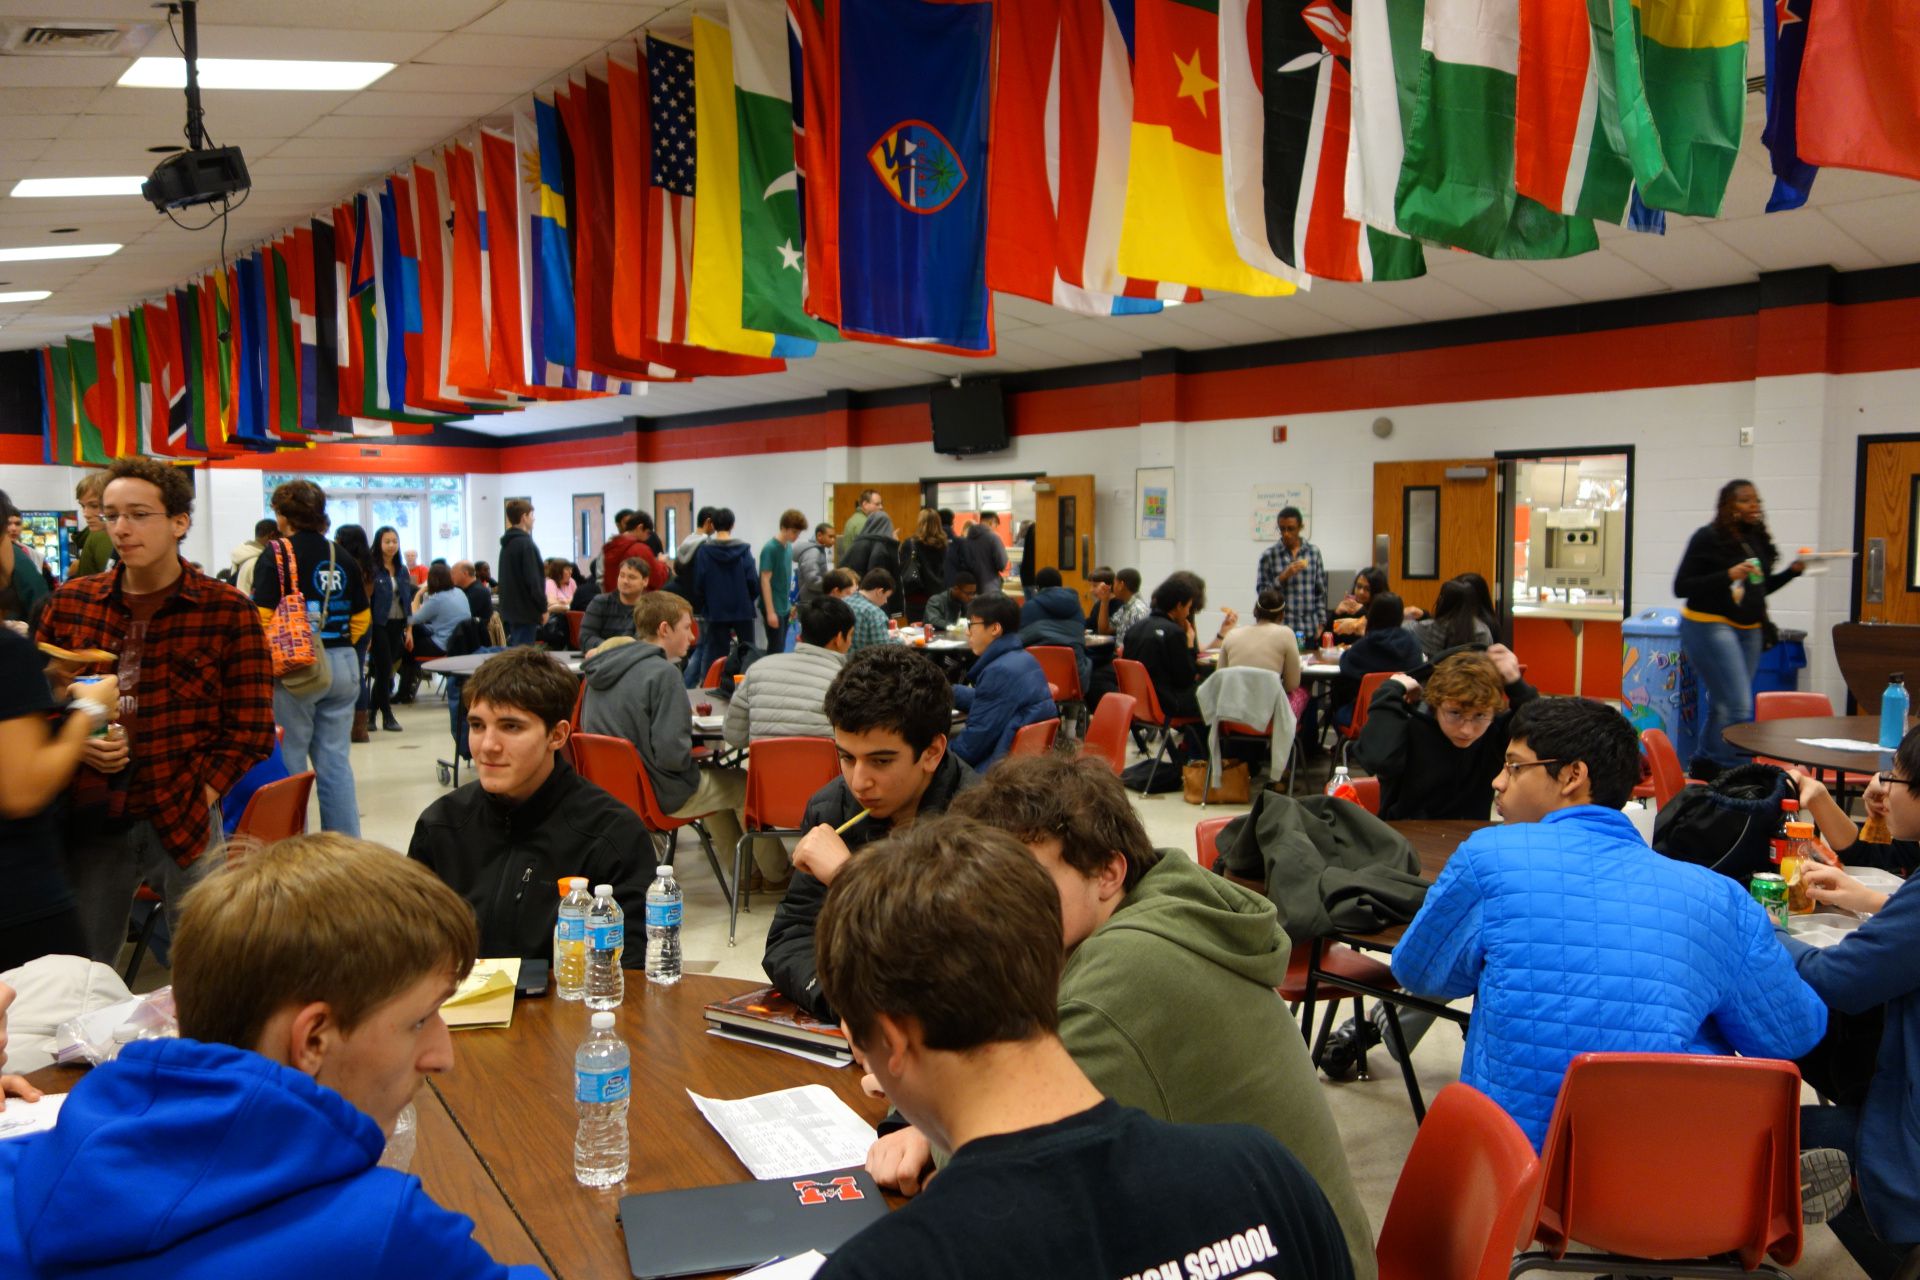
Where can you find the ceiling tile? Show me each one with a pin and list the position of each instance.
(550, 56)
(1888, 227)
(45, 102)
(343, 43)
(1509, 286)
(1429, 297)
(544, 17)
(1800, 238)
(60, 72)
(353, 15)
(374, 151)
(1686, 257)
(502, 83)
(385, 102)
(229, 111)
(1595, 277)
(421, 129)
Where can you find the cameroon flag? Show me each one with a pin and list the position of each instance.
(1680, 71)
(1175, 227)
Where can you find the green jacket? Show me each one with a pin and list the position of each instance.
(96, 554)
(1170, 1007)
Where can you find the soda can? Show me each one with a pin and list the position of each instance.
(1770, 891)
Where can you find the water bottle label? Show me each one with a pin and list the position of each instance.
(572, 929)
(607, 937)
(602, 1086)
(663, 915)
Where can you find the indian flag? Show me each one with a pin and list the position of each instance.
(1680, 70)
(1456, 181)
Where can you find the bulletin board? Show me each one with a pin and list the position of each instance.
(1269, 500)
(1153, 502)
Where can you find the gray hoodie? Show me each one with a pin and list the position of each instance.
(633, 692)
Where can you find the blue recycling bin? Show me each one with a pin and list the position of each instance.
(1657, 691)
(1780, 666)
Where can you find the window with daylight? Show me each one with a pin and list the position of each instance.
(428, 512)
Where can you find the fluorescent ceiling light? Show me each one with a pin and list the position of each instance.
(254, 73)
(26, 295)
(42, 252)
(127, 186)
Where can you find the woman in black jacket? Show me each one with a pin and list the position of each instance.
(926, 548)
(1725, 578)
(392, 589)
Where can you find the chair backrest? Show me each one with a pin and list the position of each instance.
(277, 810)
(614, 765)
(1464, 1194)
(567, 752)
(1669, 779)
(782, 775)
(712, 679)
(1206, 840)
(1106, 735)
(1138, 685)
(1789, 704)
(1062, 670)
(1367, 792)
(1664, 1156)
(574, 618)
(1369, 685)
(1035, 739)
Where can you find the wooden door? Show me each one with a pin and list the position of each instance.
(589, 525)
(1063, 528)
(1889, 564)
(672, 516)
(1433, 520)
(901, 502)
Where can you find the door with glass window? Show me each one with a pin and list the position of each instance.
(1889, 565)
(1432, 521)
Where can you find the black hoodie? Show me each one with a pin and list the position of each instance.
(523, 579)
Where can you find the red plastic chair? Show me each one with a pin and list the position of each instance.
(782, 775)
(1367, 791)
(1062, 669)
(277, 810)
(1350, 733)
(1147, 712)
(712, 679)
(1654, 1158)
(1668, 777)
(579, 710)
(1035, 739)
(1464, 1195)
(574, 618)
(1106, 735)
(614, 765)
(1792, 704)
(1296, 989)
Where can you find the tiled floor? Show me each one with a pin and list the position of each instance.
(397, 779)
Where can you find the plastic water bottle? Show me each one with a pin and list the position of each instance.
(606, 940)
(1341, 787)
(570, 942)
(663, 927)
(602, 1080)
(1893, 712)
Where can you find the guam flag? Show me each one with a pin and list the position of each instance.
(913, 173)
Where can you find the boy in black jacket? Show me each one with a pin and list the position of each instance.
(890, 709)
(523, 587)
(1437, 750)
(503, 841)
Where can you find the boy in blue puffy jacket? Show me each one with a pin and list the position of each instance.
(1574, 937)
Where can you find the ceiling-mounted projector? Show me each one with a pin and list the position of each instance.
(200, 174)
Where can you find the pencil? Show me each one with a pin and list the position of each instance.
(844, 827)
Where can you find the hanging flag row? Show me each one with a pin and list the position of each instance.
(808, 171)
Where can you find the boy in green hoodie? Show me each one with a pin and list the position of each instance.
(1167, 1001)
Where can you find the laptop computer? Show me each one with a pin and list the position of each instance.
(743, 1224)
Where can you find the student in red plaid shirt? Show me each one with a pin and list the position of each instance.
(196, 704)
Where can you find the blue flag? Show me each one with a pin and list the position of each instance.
(250, 317)
(393, 309)
(1786, 31)
(913, 172)
(1652, 222)
(552, 302)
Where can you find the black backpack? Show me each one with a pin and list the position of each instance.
(1727, 826)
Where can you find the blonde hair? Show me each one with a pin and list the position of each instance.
(1470, 681)
(93, 485)
(322, 917)
(658, 609)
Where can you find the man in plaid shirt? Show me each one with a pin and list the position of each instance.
(1293, 566)
(196, 705)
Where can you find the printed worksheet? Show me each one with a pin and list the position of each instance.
(22, 1118)
(790, 1132)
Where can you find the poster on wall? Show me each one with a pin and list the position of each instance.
(1153, 500)
(1269, 500)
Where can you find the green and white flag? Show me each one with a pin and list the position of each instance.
(772, 243)
(1456, 181)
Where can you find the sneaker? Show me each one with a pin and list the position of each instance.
(1826, 1184)
(1352, 1038)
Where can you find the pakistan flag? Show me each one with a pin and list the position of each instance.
(766, 69)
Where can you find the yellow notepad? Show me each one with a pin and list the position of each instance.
(485, 999)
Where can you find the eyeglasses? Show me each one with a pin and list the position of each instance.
(131, 517)
(1469, 719)
(1515, 766)
(1888, 780)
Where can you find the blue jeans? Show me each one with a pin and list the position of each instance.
(521, 633)
(716, 641)
(1839, 1127)
(1723, 659)
(320, 728)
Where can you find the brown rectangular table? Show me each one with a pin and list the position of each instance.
(511, 1097)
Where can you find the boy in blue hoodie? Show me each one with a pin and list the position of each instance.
(726, 587)
(1005, 689)
(251, 1145)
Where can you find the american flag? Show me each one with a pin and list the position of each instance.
(669, 259)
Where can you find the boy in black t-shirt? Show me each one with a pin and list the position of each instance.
(943, 960)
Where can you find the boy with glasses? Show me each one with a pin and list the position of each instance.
(1437, 750)
(196, 703)
(1573, 936)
